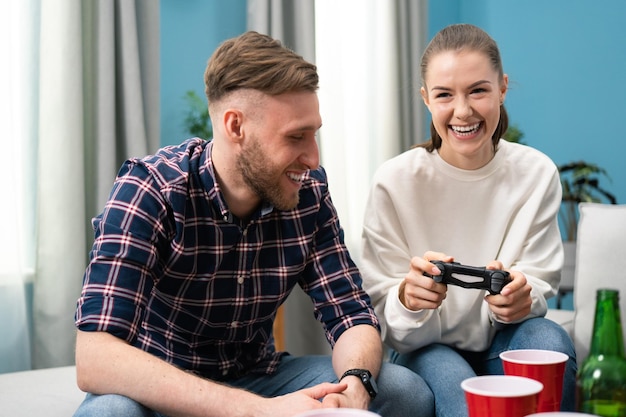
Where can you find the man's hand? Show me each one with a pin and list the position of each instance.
(419, 292)
(302, 400)
(355, 396)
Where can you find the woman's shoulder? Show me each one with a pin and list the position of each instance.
(408, 161)
(525, 156)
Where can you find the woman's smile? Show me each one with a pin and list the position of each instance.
(466, 131)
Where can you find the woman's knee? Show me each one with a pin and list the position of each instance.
(541, 333)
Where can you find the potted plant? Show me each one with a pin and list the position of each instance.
(514, 134)
(197, 120)
(580, 181)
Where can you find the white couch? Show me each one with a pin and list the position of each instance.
(46, 392)
(600, 263)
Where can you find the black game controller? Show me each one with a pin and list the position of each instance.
(492, 280)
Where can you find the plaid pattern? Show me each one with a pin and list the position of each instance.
(175, 274)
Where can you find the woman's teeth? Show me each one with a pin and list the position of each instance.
(465, 130)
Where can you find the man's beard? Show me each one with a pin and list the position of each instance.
(260, 174)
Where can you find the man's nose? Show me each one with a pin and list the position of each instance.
(311, 154)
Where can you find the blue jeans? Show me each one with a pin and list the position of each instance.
(401, 392)
(444, 368)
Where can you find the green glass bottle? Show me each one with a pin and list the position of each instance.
(601, 380)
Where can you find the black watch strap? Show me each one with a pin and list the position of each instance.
(366, 378)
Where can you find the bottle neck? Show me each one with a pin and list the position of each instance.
(607, 336)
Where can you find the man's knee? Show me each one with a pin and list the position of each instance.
(398, 382)
(111, 405)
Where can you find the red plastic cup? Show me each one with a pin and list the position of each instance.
(562, 414)
(545, 366)
(501, 395)
(337, 412)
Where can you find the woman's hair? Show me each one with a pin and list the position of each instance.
(258, 62)
(469, 38)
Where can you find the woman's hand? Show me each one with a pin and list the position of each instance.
(419, 292)
(514, 301)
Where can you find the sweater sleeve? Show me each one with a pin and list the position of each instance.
(541, 254)
(385, 262)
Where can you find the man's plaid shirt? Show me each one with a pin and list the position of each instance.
(175, 274)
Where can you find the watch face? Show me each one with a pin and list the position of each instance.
(369, 383)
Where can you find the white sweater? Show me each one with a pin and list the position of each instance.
(506, 210)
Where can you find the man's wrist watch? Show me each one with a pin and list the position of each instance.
(366, 378)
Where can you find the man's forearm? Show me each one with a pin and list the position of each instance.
(108, 365)
(358, 347)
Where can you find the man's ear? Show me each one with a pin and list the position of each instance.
(233, 123)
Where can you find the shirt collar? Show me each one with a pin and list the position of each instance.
(214, 192)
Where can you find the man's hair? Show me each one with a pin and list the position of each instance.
(258, 62)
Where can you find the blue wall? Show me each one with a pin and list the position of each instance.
(566, 61)
(190, 32)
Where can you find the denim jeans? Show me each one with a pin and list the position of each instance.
(401, 392)
(444, 368)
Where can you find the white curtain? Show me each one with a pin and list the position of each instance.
(17, 264)
(367, 53)
(61, 245)
(95, 89)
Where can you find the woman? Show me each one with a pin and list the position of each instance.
(471, 197)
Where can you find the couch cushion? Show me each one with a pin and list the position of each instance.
(45, 392)
(600, 263)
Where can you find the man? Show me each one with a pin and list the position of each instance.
(199, 245)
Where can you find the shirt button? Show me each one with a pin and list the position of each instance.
(240, 280)
(234, 324)
(225, 372)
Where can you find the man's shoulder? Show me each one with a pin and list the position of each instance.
(174, 164)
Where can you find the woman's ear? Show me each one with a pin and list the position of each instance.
(504, 88)
(424, 94)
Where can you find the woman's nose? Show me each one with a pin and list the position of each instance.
(462, 108)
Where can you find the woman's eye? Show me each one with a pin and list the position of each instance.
(442, 95)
